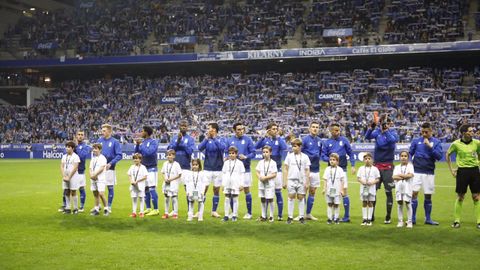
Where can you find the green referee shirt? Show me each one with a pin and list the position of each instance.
(467, 153)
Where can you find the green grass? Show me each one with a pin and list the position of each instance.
(34, 235)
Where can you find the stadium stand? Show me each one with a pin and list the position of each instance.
(445, 97)
(112, 28)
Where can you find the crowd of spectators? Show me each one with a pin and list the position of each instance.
(261, 24)
(410, 97)
(362, 16)
(123, 27)
(413, 21)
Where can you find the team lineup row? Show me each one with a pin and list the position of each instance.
(227, 165)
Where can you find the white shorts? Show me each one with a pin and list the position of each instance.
(152, 179)
(137, 191)
(268, 193)
(403, 197)
(213, 177)
(232, 191)
(198, 198)
(369, 198)
(334, 199)
(279, 181)
(247, 179)
(110, 178)
(171, 189)
(296, 187)
(72, 184)
(425, 181)
(97, 186)
(345, 181)
(315, 180)
(81, 180)
(266, 189)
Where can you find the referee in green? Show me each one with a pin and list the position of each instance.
(467, 152)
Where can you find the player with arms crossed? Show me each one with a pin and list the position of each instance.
(467, 152)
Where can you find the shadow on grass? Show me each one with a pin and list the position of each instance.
(311, 234)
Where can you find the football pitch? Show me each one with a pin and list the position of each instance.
(33, 235)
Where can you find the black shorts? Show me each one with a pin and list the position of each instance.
(468, 177)
(386, 179)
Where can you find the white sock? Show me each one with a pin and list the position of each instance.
(175, 205)
(291, 205)
(264, 208)
(134, 204)
(75, 201)
(370, 212)
(400, 212)
(200, 209)
(271, 208)
(336, 211)
(142, 204)
(409, 212)
(190, 208)
(235, 206)
(364, 213)
(167, 205)
(329, 212)
(226, 205)
(67, 202)
(301, 207)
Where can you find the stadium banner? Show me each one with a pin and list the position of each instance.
(328, 97)
(338, 32)
(371, 50)
(87, 4)
(182, 40)
(47, 46)
(55, 151)
(170, 100)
